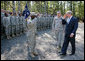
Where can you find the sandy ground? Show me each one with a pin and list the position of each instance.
(16, 48)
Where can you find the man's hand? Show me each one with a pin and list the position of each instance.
(72, 34)
(64, 16)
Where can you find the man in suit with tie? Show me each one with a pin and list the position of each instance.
(70, 32)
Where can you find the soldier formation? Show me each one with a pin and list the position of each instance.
(12, 25)
(44, 22)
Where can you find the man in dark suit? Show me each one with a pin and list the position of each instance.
(70, 32)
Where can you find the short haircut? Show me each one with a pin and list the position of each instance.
(69, 12)
(6, 14)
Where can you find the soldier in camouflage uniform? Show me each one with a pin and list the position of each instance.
(38, 23)
(20, 23)
(45, 23)
(24, 23)
(2, 27)
(10, 15)
(7, 24)
(17, 25)
(31, 26)
(58, 27)
(51, 18)
(13, 24)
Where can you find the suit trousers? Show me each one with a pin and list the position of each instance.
(66, 43)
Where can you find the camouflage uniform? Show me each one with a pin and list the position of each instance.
(21, 24)
(42, 23)
(38, 23)
(2, 27)
(59, 30)
(10, 24)
(51, 21)
(24, 24)
(7, 24)
(17, 25)
(47, 20)
(31, 26)
(13, 24)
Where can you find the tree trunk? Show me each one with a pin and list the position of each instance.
(71, 5)
(41, 6)
(45, 7)
(80, 9)
(64, 7)
(4, 5)
(29, 5)
(73, 8)
(61, 7)
(13, 6)
(19, 6)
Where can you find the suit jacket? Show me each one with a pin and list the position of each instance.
(71, 27)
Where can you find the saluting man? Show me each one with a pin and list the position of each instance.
(70, 32)
(31, 34)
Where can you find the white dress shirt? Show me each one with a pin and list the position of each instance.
(68, 19)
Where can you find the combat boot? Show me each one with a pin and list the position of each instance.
(59, 48)
(13, 35)
(17, 34)
(35, 54)
(8, 37)
(32, 55)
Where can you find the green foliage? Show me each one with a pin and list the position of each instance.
(49, 7)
